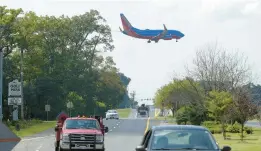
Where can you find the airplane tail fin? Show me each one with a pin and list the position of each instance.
(125, 23)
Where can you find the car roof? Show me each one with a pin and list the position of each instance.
(112, 110)
(179, 127)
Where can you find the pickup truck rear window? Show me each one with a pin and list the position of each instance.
(82, 124)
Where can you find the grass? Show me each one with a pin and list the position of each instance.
(124, 113)
(170, 119)
(250, 143)
(34, 129)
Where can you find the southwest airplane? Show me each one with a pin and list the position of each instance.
(151, 35)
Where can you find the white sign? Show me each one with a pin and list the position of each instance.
(14, 101)
(14, 88)
(69, 105)
(47, 108)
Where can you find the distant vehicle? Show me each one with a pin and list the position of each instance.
(150, 35)
(80, 133)
(179, 137)
(143, 111)
(112, 114)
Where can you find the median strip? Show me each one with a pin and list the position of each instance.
(147, 126)
(10, 140)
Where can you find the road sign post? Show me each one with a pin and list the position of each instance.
(47, 109)
(69, 106)
(14, 97)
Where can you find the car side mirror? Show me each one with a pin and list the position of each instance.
(106, 129)
(140, 148)
(226, 148)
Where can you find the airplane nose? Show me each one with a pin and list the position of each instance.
(182, 35)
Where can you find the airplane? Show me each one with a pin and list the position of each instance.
(151, 35)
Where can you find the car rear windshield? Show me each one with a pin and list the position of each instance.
(181, 139)
(112, 111)
(82, 124)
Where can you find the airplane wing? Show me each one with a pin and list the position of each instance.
(162, 34)
(120, 29)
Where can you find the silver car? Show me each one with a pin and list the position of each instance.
(112, 114)
(179, 137)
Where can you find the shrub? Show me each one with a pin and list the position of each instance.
(215, 130)
(23, 123)
(248, 130)
(235, 128)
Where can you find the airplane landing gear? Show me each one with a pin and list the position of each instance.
(149, 41)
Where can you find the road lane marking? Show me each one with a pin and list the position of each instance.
(9, 140)
(38, 148)
(147, 126)
(28, 139)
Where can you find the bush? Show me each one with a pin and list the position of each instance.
(248, 130)
(235, 128)
(215, 130)
(22, 123)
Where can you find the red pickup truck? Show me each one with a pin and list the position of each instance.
(80, 133)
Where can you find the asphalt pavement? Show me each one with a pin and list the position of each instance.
(124, 134)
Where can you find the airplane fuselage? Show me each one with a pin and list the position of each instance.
(149, 34)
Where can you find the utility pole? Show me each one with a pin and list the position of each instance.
(1, 84)
(22, 84)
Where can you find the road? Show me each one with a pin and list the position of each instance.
(124, 134)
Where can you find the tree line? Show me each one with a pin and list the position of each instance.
(61, 60)
(217, 88)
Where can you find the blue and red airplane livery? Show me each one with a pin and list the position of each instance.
(151, 35)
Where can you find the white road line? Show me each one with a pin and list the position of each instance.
(38, 148)
(28, 139)
(113, 127)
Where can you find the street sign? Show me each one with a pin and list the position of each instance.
(69, 105)
(14, 101)
(14, 88)
(47, 108)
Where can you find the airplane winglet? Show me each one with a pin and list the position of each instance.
(165, 28)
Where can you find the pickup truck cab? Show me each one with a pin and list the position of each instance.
(81, 133)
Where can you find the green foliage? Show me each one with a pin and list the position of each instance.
(22, 123)
(62, 62)
(235, 128)
(218, 104)
(182, 116)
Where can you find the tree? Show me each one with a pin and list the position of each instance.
(219, 70)
(62, 58)
(218, 104)
(180, 93)
(245, 108)
(8, 18)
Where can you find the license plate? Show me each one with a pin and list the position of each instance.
(84, 146)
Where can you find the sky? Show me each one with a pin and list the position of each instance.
(234, 24)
